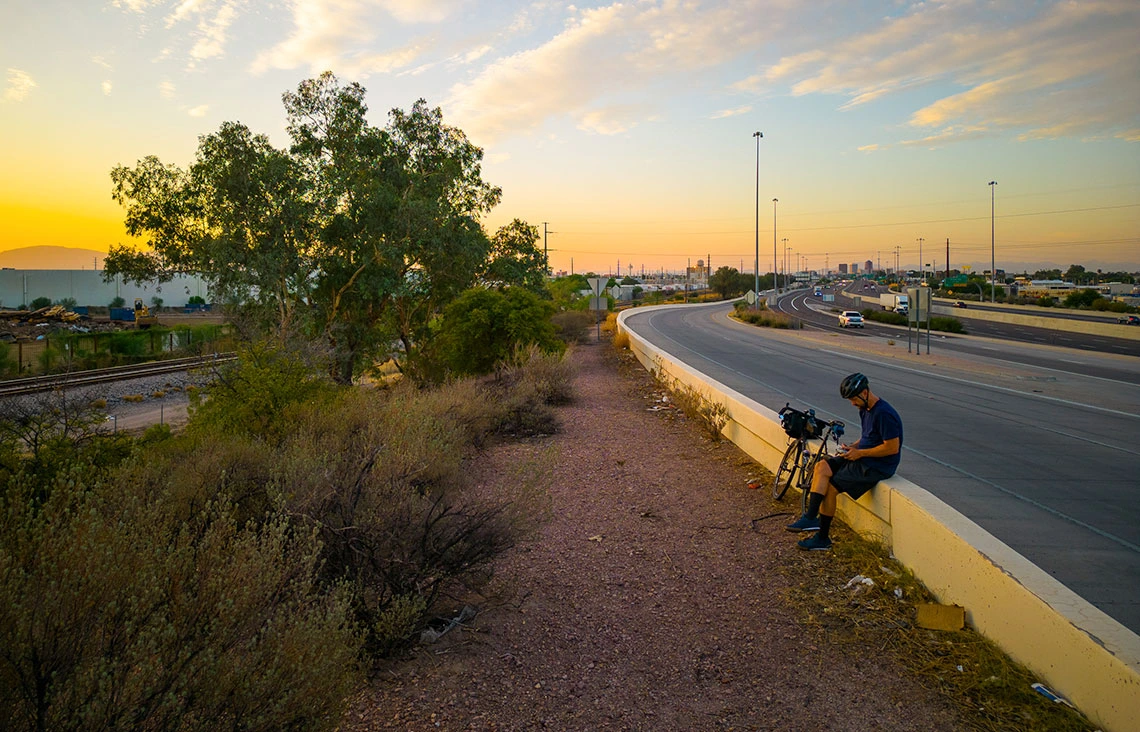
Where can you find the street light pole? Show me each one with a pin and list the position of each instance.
(774, 200)
(756, 270)
(993, 261)
(922, 279)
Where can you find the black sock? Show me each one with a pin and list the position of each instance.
(814, 502)
(824, 526)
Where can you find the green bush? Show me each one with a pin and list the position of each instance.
(884, 316)
(484, 327)
(40, 302)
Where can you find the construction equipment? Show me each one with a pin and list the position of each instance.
(143, 318)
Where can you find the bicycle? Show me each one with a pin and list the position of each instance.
(800, 460)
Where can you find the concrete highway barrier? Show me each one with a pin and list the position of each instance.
(1076, 649)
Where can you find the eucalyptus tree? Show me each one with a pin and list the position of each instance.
(357, 234)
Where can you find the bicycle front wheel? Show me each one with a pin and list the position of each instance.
(806, 475)
(787, 471)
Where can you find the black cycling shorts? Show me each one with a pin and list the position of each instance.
(854, 477)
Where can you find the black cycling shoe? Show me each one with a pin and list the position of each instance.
(815, 543)
(803, 523)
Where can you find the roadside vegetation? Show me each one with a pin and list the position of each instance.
(942, 323)
(763, 317)
(249, 571)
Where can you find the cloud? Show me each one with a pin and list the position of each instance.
(336, 34)
(731, 112)
(19, 85)
(199, 111)
(166, 90)
(101, 62)
(869, 148)
(1037, 70)
(620, 54)
(106, 86)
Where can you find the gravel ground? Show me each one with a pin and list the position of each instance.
(648, 602)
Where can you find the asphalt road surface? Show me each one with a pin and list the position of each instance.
(1040, 446)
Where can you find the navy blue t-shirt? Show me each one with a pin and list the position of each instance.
(880, 423)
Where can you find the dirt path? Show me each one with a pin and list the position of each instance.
(648, 602)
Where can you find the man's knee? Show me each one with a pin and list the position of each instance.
(822, 468)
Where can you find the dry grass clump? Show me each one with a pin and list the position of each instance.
(710, 416)
(134, 398)
(832, 596)
(621, 340)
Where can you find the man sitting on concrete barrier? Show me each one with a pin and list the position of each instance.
(857, 468)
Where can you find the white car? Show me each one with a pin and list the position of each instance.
(850, 319)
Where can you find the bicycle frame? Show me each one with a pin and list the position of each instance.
(799, 461)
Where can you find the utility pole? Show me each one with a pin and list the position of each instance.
(920, 264)
(545, 251)
(947, 256)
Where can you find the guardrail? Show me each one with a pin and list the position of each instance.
(1078, 650)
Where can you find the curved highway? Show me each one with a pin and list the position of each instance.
(1043, 456)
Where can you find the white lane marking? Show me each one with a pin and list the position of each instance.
(981, 385)
(1027, 499)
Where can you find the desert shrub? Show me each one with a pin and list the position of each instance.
(117, 612)
(947, 324)
(550, 376)
(621, 340)
(766, 318)
(609, 325)
(40, 302)
(483, 327)
(251, 396)
(573, 325)
(381, 479)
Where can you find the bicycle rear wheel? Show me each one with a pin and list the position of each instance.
(786, 474)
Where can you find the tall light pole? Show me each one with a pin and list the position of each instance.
(786, 267)
(993, 261)
(922, 280)
(756, 270)
(774, 200)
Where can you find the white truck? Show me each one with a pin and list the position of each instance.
(894, 301)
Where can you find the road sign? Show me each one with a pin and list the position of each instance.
(750, 297)
(596, 285)
(599, 303)
(615, 292)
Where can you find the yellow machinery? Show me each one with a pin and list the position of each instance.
(143, 318)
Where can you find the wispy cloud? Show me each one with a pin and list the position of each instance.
(634, 53)
(19, 85)
(1062, 69)
(106, 87)
(869, 148)
(166, 89)
(199, 111)
(731, 112)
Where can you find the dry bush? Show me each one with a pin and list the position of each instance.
(573, 325)
(119, 611)
(609, 325)
(381, 480)
(621, 340)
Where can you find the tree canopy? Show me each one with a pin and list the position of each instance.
(356, 234)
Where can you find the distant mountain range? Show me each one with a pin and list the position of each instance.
(52, 258)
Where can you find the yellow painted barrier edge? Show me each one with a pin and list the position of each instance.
(1076, 649)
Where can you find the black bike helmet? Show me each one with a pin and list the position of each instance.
(853, 385)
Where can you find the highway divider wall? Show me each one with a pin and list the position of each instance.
(1076, 649)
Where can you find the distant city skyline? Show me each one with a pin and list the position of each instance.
(628, 127)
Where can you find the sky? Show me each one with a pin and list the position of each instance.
(625, 130)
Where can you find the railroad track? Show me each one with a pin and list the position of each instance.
(31, 385)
